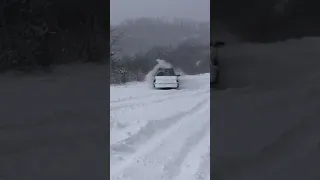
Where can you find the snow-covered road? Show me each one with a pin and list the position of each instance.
(160, 134)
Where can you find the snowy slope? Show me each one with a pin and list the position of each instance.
(161, 134)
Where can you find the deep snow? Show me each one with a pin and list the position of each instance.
(160, 134)
(266, 124)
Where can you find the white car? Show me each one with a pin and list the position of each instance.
(166, 78)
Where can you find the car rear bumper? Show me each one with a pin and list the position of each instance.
(166, 85)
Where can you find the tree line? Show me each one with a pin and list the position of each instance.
(188, 57)
(142, 34)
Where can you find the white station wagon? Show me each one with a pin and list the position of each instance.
(166, 78)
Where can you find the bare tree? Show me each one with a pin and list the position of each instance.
(114, 38)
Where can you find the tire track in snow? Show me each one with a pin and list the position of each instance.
(196, 166)
(153, 127)
(157, 93)
(144, 158)
(191, 149)
(131, 98)
(203, 172)
(159, 99)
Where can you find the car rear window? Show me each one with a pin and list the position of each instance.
(166, 72)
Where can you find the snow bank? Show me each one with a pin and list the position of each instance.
(194, 81)
(269, 65)
(180, 72)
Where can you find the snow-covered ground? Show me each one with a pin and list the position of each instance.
(160, 134)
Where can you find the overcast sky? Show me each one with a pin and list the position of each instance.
(121, 10)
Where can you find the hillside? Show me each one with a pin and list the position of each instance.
(142, 34)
